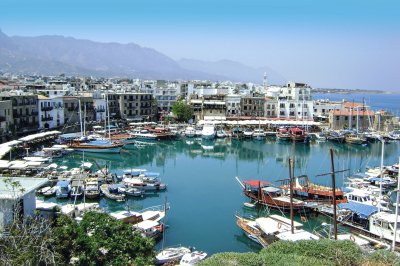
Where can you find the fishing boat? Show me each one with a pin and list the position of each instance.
(92, 189)
(144, 134)
(63, 189)
(143, 185)
(335, 136)
(154, 213)
(208, 131)
(298, 135)
(131, 191)
(198, 130)
(259, 134)
(171, 254)
(248, 133)
(150, 229)
(221, 134)
(237, 133)
(190, 132)
(355, 140)
(283, 135)
(192, 258)
(105, 189)
(252, 229)
(264, 193)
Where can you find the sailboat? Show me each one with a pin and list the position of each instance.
(97, 145)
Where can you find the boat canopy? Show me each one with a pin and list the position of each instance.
(363, 210)
(255, 183)
(271, 189)
(63, 183)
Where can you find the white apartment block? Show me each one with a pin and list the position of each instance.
(51, 112)
(233, 105)
(323, 107)
(295, 102)
(99, 104)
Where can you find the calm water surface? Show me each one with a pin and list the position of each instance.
(202, 190)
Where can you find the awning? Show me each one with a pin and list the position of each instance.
(363, 210)
(255, 183)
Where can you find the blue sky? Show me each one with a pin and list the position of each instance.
(342, 43)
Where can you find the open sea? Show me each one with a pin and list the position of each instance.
(202, 191)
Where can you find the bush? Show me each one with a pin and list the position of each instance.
(382, 257)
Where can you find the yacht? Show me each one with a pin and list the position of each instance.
(208, 132)
(259, 134)
(190, 132)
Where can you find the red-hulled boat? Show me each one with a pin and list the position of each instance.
(264, 193)
(298, 134)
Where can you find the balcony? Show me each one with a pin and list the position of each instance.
(49, 118)
(46, 108)
(100, 110)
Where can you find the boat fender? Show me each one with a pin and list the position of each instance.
(385, 198)
(303, 219)
(374, 203)
(373, 199)
(352, 238)
(279, 225)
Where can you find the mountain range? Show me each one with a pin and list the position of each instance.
(53, 55)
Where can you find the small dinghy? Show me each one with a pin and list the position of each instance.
(249, 205)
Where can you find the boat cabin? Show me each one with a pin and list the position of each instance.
(382, 225)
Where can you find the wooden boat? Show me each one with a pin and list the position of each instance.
(356, 140)
(92, 189)
(150, 229)
(114, 196)
(283, 135)
(335, 137)
(306, 190)
(264, 193)
(97, 146)
(298, 135)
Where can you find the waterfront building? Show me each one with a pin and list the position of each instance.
(233, 106)
(20, 202)
(270, 107)
(295, 102)
(384, 121)
(211, 106)
(252, 106)
(51, 112)
(323, 107)
(24, 112)
(6, 119)
(350, 119)
(99, 105)
(71, 108)
(131, 105)
(166, 95)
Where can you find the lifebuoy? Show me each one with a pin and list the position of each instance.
(352, 238)
(385, 198)
(374, 203)
(303, 219)
(279, 225)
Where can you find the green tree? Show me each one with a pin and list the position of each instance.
(103, 240)
(182, 110)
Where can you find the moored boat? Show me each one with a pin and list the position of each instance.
(171, 254)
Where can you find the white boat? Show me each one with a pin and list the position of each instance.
(144, 134)
(149, 229)
(92, 189)
(198, 131)
(208, 131)
(155, 213)
(365, 197)
(221, 134)
(190, 132)
(63, 189)
(171, 254)
(192, 258)
(248, 133)
(259, 134)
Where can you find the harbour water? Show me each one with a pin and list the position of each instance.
(202, 191)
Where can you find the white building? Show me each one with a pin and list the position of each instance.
(14, 202)
(295, 102)
(233, 105)
(99, 104)
(51, 111)
(323, 107)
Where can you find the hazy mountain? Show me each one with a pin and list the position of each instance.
(53, 55)
(233, 70)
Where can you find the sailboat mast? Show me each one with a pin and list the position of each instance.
(381, 175)
(80, 116)
(291, 195)
(334, 195)
(397, 209)
(108, 118)
(84, 121)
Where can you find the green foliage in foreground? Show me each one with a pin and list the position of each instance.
(310, 253)
(182, 110)
(98, 239)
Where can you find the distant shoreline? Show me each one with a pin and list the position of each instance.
(344, 91)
